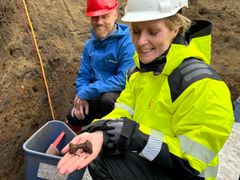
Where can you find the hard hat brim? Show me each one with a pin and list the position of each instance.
(99, 13)
(141, 16)
(142, 10)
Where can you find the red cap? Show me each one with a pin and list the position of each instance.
(100, 7)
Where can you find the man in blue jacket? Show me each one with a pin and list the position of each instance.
(106, 57)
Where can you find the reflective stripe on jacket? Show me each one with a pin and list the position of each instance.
(196, 124)
(104, 64)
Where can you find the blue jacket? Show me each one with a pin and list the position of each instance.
(104, 64)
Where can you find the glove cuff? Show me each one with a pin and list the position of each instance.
(131, 137)
(100, 125)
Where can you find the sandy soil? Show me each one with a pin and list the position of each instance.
(61, 29)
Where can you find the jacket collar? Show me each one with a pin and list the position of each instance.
(156, 65)
(119, 31)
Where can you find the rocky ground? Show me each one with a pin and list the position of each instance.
(61, 29)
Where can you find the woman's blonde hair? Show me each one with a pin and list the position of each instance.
(178, 22)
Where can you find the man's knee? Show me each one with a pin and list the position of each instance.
(74, 121)
(108, 99)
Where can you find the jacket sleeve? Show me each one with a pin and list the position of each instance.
(124, 106)
(201, 124)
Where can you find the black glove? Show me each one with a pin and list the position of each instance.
(113, 133)
(120, 135)
(101, 125)
(96, 126)
(125, 136)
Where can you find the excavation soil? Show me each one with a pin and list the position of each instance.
(61, 29)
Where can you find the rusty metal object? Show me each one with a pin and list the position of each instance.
(86, 147)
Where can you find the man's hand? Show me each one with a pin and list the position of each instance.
(81, 159)
(80, 109)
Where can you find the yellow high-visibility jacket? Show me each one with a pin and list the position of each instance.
(184, 106)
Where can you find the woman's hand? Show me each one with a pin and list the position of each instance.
(71, 162)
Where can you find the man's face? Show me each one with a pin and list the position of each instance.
(103, 25)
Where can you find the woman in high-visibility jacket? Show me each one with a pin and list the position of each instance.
(175, 113)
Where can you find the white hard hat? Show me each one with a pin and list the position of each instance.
(146, 10)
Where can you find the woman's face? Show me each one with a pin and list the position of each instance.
(151, 39)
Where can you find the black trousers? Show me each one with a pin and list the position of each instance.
(127, 166)
(97, 109)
